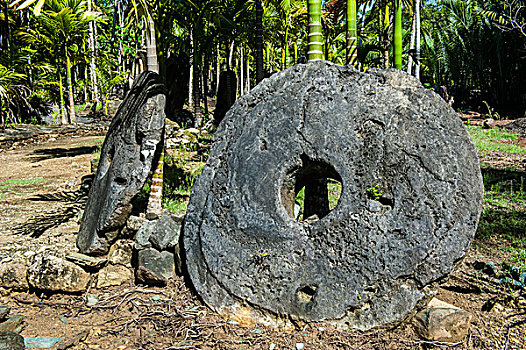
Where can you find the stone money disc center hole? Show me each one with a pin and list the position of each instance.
(311, 190)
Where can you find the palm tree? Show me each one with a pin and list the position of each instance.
(62, 25)
(259, 41)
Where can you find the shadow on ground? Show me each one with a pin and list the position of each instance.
(50, 153)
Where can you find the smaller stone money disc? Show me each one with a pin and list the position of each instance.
(410, 201)
(126, 159)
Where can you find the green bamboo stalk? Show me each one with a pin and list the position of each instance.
(315, 41)
(352, 34)
(398, 35)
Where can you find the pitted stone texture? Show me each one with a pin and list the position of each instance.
(372, 259)
(125, 161)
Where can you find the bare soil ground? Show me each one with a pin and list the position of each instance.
(142, 317)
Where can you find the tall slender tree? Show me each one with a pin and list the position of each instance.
(315, 36)
(352, 34)
(398, 34)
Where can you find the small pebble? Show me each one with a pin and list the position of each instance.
(300, 346)
(93, 299)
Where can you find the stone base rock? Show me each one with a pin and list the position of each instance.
(409, 206)
(86, 260)
(14, 276)
(442, 322)
(51, 273)
(11, 341)
(121, 253)
(113, 275)
(155, 267)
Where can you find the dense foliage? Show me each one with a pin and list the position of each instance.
(59, 55)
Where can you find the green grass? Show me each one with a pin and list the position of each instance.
(487, 140)
(91, 143)
(334, 189)
(4, 185)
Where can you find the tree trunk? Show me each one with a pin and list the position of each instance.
(62, 102)
(154, 208)
(241, 72)
(191, 67)
(218, 68)
(411, 47)
(352, 38)
(151, 47)
(72, 117)
(260, 74)
(386, 40)
(205, 83)
(315, 38)
(398, 35)
(93, 74)
(417, 53)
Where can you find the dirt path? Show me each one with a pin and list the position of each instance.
(137, 317)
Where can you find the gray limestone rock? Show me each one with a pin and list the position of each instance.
(13, 276)
(48, 272)
(410, 202)
(126, 158)
(86, 260)
(121, 253)
(166, 232)
(162, 233)
(155, 267)
(113, 275)
(4, 311)
(11, 341)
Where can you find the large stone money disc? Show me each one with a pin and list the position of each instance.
(410, 203)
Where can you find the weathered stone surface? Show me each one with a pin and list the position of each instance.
(86, 260)
(14, 323)
(113, 275)
(125, 161)
(133, 225)
(166, 232)
(52, 273)
(14, 276)
(11, 341)
(409, 207)
(121, 253)
(4, 311)
(155, 267)
(162, 233)
(442, 322)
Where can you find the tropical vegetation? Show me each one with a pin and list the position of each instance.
(58, 54)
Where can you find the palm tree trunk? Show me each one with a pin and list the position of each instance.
(241, 72)
(315, 41)
(154, 208)
(417, 54)
(151, 47)
(259, 42)
(93, 75)
(386, 42)
(352, 37)
(398, 35)
(191, 68)
(72, 117)
(411, 47)
(62, 103)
